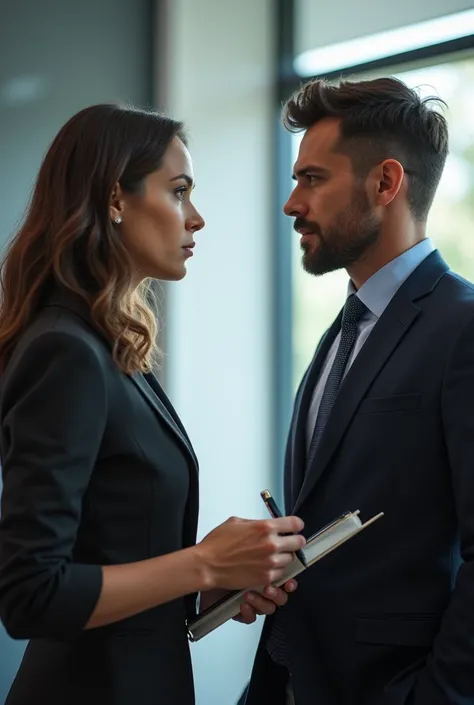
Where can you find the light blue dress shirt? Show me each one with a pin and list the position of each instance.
(376, 294)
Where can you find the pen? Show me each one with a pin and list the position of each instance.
(271, 505)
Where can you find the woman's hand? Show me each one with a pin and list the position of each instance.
(241, 553)
(255, 604)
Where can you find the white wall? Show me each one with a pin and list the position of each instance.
(318, 25)
(218, 318)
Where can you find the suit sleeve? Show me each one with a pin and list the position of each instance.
(448, 677)
(52, 419)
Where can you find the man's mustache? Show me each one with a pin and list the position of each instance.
(303, 224)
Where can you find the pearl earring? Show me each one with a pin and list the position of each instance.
(118, 219)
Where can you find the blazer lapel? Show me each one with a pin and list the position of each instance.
(297, 441)
(389, 330)
(157, 399)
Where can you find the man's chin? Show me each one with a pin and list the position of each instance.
(316, 266)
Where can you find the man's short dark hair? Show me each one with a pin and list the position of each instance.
(380, 119)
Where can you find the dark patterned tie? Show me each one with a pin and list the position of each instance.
(353, 312)
(354, 309)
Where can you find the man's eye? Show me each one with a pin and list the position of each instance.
(312, 178)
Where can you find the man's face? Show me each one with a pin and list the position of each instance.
(329, 203)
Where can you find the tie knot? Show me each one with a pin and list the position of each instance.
(353, 311)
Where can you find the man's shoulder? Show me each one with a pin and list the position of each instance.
(456, 291)
(451, 306)
(460, 282)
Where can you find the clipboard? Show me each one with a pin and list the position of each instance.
(320, 544)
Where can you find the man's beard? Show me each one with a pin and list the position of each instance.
(346, 241)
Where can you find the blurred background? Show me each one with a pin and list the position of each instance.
(240, 329)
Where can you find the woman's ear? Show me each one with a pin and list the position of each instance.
(116, 204)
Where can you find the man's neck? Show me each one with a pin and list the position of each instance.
(385, 250)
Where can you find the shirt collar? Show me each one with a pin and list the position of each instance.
(381, 287)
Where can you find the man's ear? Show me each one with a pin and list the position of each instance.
(389, 178)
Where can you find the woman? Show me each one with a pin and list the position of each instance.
(98, 562)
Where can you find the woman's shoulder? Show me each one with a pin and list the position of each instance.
(59, 335)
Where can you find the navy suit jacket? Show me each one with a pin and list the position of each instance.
(388, 618)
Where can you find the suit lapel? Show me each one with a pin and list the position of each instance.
(155, 396)
(297, 441)
(384, 338)
(388, 332)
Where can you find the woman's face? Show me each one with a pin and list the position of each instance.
(158, 224)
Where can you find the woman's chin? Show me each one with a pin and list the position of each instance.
(171, 275)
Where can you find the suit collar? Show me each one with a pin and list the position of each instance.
(423, 280)
(390, 329)
(60, 296)
(381, 287)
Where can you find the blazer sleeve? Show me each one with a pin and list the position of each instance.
(448, 676)
(52, 418)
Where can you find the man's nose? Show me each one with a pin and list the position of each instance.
(294, 207)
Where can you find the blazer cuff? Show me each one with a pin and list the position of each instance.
(74, 602)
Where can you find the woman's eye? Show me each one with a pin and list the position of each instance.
(180, 192)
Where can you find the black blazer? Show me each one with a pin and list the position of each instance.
(97, 470)
(387, 619)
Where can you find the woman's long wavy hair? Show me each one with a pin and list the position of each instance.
(67, 238)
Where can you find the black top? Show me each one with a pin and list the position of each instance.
(97, 470)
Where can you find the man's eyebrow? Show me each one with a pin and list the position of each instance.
(186, 178)
(310, 169)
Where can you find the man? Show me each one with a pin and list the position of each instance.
(383, 419)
